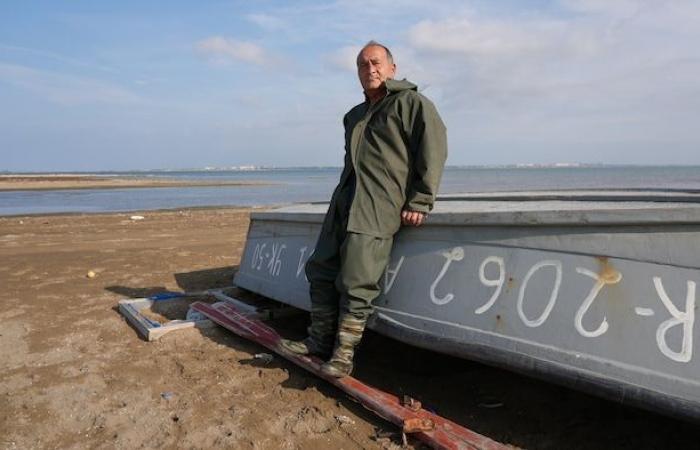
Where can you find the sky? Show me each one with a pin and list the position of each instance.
(87, 86)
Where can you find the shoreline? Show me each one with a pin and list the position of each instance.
(10, 183)
(137, 212)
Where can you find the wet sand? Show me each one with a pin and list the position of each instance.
(70, 181)
(74, 374)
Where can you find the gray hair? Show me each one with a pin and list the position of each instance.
(374, 43)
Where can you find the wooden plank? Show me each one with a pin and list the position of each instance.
(174, 325)
(136, 319)
(443, 433)
(150, 329)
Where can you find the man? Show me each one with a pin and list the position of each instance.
(395, 150)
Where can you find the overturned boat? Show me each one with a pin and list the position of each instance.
(592, 289)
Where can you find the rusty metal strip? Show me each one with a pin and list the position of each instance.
(428, 427)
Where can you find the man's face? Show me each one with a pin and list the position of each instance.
(373, 68)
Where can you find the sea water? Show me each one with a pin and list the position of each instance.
(284, 186)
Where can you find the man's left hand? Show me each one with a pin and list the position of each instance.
(414, 218)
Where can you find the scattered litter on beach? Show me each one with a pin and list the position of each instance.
(266, 358)
(194, 315)
(344, 420)
(164, 312)
(136, 217)
(91, 274)
(167, 395)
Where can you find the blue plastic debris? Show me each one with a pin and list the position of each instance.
(166, 295)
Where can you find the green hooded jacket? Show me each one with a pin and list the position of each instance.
(397, 150)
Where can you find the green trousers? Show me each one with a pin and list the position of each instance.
(344, 274)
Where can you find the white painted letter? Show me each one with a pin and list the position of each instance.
(613, 277)
(254, 259)
(486, 282)
(300, 266)
(389, 282)
(686, 319)
(275, 263)
(258, 256)
(456, 254)
(552, 299)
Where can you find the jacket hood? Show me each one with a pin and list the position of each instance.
(399, 85)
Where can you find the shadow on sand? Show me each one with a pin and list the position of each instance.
(503, 405)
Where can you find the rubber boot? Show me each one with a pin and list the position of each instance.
(321, 334)
(350, 331)
(307, 346)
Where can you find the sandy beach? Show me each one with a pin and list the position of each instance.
(78, 181)
(75, 374)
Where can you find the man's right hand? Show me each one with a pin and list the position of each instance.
(414, 218)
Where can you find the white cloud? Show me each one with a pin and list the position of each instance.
(66, 89)
(587, 80)
(225, 49)
(616, 8)
(625, 71)
(267, 21)
(534, 81)
(471, 36)
(344, 58)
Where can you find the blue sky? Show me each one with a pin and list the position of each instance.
(88, 85)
